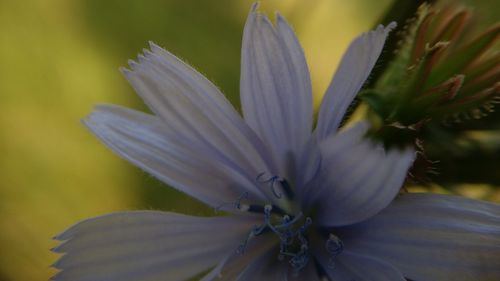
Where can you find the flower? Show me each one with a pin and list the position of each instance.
(310, 206)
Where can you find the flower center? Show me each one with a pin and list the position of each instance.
(291, 230)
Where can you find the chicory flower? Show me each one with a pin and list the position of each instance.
(306, 204)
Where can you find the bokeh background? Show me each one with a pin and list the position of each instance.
(59, 58)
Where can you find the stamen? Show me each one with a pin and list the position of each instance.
(285, 186)
(271, 180)
(257, 230)
(300, 260)
(293, 240)
(236, 204)
(334, 246)
(287, 221)
(255, 208)
(291, 231)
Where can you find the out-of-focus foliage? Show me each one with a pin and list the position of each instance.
(58, 58)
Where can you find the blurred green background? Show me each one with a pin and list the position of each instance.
(59, 58)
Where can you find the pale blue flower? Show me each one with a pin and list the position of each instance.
(304, 204)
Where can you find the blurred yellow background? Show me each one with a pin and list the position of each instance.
(59, 58)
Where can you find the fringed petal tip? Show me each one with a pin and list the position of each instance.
(155, 47)
(56, 249)
(62, 248)
(388, 28)
(61, 237)
(254, 8)
(142, 58)
(381, 29)
(96, 122)
(391, 26)
(57, 265)
(255, 12)
(55, 277)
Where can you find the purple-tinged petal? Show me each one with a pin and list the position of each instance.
(276, 88)
(312, 161)
(432, 237)
(146, 245)
(309, 163)
(350, 76)
(266, 268)
(194, 109)
(357, 178)
(348, 266)
(145, 141)
(309, 273)
(235, 263)
(214, 274)
(368, 268)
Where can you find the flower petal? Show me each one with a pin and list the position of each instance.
(312, 162)
(276, 88)
(146, 245)
(432, 237)
(194, 109)
(266, 268)
(145, 141)
(357, 178)
(368, 268)
(235, 263)
(351, 74)
(349, 266)
(308, 273)
(309, 167)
